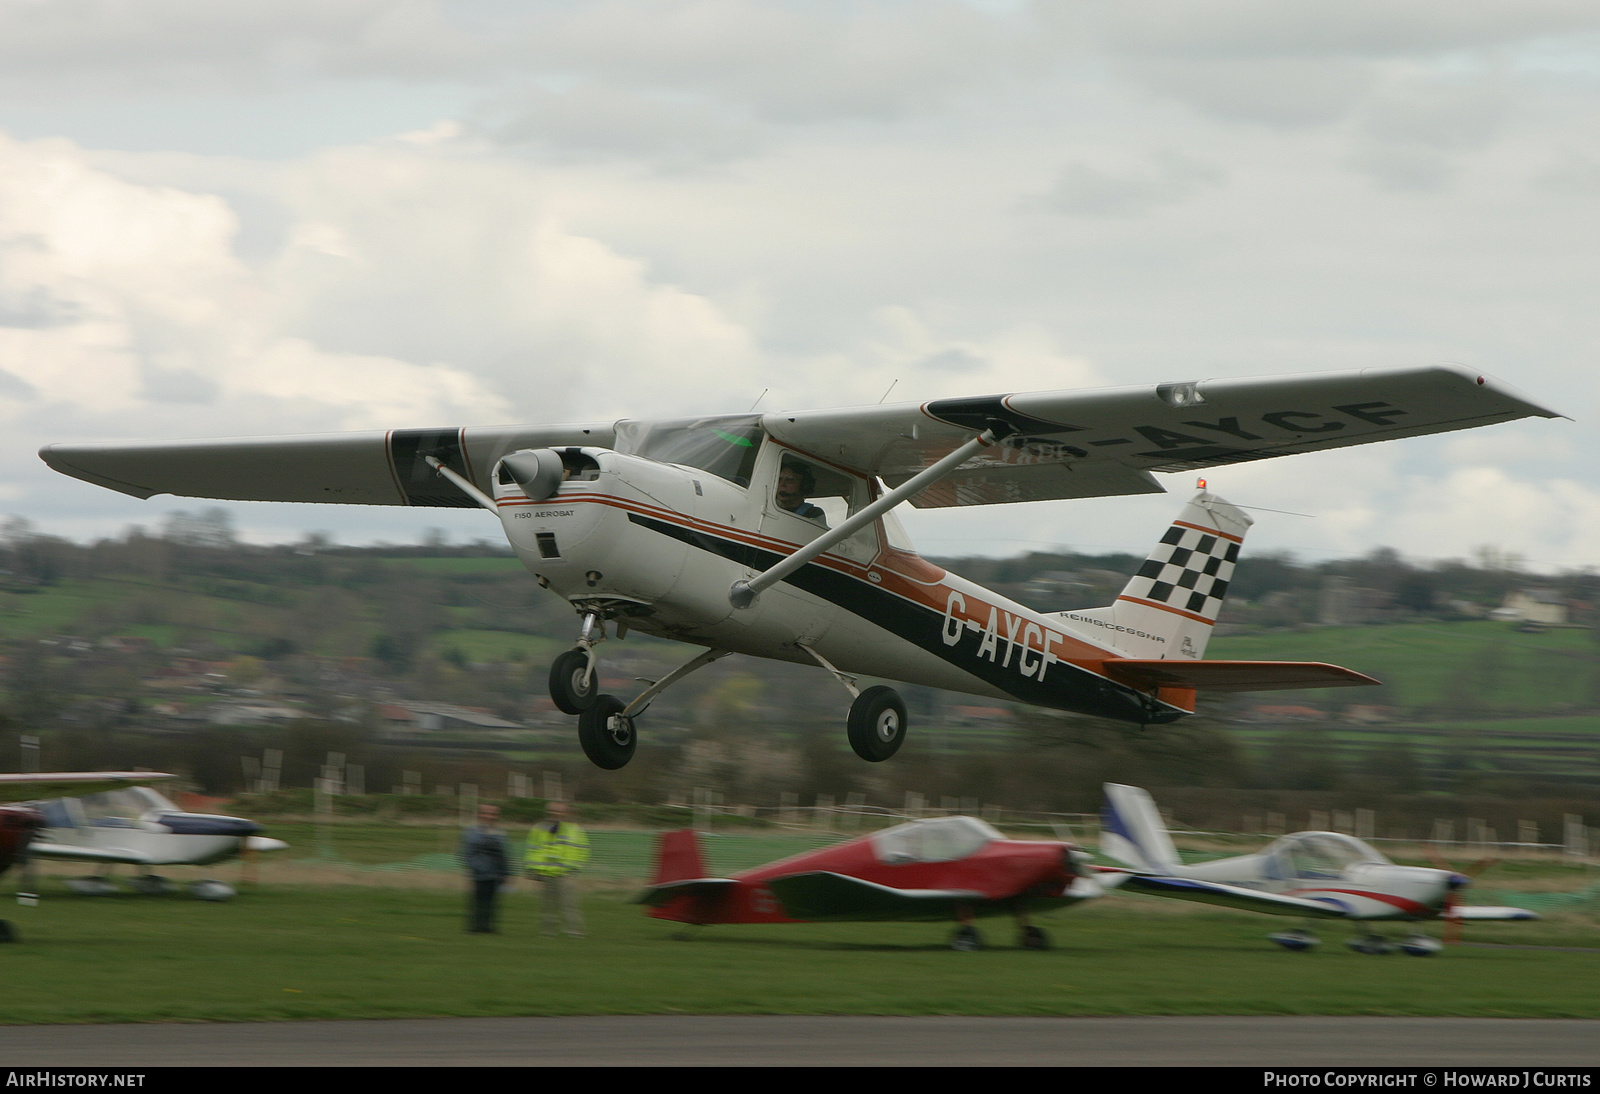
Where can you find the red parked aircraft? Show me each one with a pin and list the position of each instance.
(955, 868)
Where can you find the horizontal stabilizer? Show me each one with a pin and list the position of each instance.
(824, 896)
(658, 896)
(1234, 675)
(1480, 911)
(1229, 896)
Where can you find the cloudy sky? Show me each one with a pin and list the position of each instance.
(309, 215)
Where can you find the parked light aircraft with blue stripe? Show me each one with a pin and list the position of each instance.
(1313, 875)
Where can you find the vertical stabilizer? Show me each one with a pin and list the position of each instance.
(1131, 831)
(1168, 608)
(678, 857)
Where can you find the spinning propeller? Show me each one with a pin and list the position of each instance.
(1459, 880)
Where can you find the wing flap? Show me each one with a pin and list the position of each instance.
(824, 896)
(1228, 896)
(1234, 675)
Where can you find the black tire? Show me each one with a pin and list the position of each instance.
(567, 688)
(1034, 938)
(966, 940)
(607, 737)
(877, 724)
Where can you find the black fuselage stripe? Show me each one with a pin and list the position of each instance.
(1067, 686)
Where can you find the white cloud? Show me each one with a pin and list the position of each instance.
(665, 207)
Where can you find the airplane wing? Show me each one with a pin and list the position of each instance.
(74, 853)
(824, 896)
(1059, 444)
(1483, 911)
(378, 468)
(1234, 675)
(660, 895)
(33, 786)
(1228, 896)
(1090, 443)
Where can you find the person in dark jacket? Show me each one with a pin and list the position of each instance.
(483, 853)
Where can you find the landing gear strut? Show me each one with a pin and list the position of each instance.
(572, 682)
(877, 726)
(605, 727)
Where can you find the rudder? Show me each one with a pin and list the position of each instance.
(678, 857)
(1131, 831)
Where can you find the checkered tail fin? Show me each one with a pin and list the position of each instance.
(1169, 607)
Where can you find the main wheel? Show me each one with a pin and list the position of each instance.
(1033, 938)
(572, 688)
(606, 736)
(966, 940)
(877, 724)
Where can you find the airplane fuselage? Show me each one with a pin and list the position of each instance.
(660, 545)
(1362, 890)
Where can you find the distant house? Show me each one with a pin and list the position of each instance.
(1288, 713)
(251, 714)
(431, 717)
(1544, 606)
(1368, 713)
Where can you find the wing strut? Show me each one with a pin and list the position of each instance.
(466, 487)
(743, 593)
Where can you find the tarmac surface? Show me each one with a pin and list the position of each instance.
(655, 1041)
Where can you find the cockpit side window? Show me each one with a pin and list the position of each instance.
(725, 446)
(813, 492)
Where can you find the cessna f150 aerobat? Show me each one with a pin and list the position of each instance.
(772, 534)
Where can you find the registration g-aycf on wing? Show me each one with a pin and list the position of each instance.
(772, 535)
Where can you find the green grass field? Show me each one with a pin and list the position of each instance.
(1484, 665)
(308, 952)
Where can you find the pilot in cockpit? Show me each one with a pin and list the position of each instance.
(795, 485)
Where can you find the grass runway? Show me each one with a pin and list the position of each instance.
(285, 952)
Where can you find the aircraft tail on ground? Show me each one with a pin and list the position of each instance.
(1132, 832)
(678, 857)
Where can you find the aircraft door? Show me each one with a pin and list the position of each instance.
(804, 498)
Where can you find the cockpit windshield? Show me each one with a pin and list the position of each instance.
(1324, 854)
(122, 808)
(942, 839)
(725, 446)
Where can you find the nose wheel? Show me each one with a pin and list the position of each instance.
(573, 687)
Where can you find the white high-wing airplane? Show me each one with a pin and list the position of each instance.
(119, 821)
(1313, 875)
(771, 534)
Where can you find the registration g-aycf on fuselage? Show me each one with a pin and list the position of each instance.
(771, 534)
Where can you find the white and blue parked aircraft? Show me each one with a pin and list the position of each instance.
(772, 535)
(1312, 875)
(124, 824)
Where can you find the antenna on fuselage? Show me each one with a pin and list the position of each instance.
(891, 388)
(757, 403)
